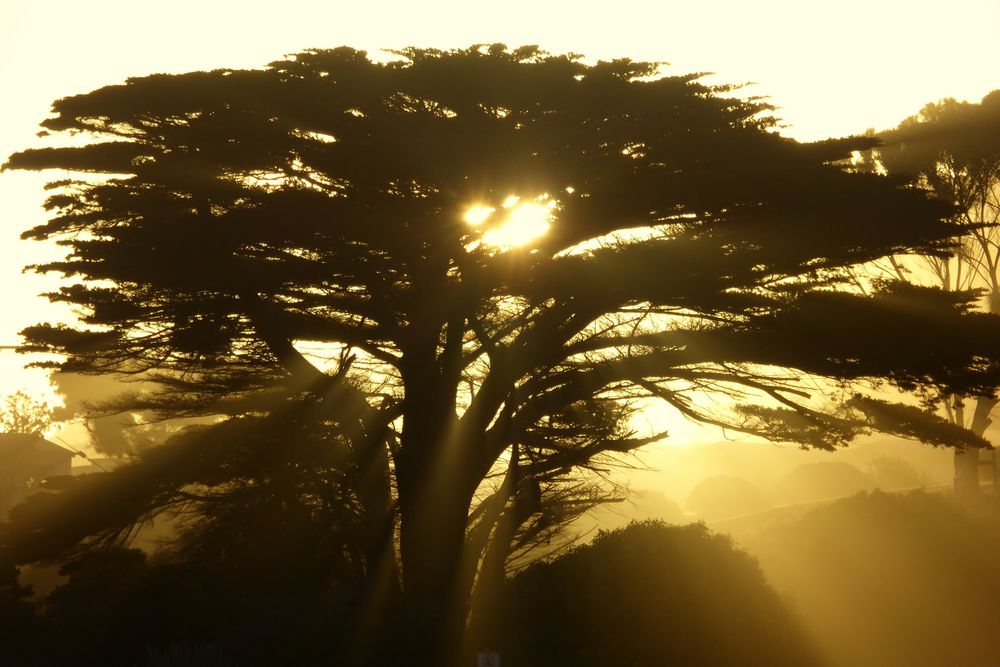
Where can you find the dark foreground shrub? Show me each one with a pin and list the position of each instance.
(22, 630)
(650, 594)
(118, 608)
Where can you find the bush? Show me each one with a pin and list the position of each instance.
(22, 631)
(118, 608)
(650, 594)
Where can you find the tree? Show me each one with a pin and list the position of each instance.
(23, 414)
(952, 149)
(470, 267)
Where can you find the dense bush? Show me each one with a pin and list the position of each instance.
(650, 594)
(118, 608)
(22, 630)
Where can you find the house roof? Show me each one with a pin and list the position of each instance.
(19, 448)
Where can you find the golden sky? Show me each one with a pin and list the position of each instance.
(832, 68)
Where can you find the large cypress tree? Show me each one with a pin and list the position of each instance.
(501, 251)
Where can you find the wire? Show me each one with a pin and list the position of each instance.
(78, 452)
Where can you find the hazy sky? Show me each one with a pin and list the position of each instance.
(832, 68)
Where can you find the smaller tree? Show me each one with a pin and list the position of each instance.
(23, 414)
(952, 150)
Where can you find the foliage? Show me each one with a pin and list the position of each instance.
(121, 608)
(651, 594)
(24, 632)
(23, 414)
(952, 149)
(894, 472)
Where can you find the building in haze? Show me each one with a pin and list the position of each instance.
(26, 460)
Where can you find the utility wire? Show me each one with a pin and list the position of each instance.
(78, 452)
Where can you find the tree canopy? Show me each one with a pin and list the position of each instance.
(952, 149)
(22, 414)
(465, 269)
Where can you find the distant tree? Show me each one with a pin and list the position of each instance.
(466, 268)
(895, 472)
(23, 414)
(725, 496)
(952, 149)
(820, 480)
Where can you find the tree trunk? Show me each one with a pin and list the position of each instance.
(966, 472)
(436, 479)
(967, 460)
(382, 585)
(432, 536)
(487, 614)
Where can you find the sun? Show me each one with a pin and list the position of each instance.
(516, 223)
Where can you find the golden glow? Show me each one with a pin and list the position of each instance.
(477, 215)
(521, 222)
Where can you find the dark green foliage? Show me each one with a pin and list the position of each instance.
(651, 594)
(115, 605)
(120, 609)
(23, 633)
(893, 579)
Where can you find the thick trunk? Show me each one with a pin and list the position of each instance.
(433, 603)
(436, 479)
(437, 469)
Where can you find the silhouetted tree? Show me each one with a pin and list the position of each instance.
(952, 149)
(724, 496)
(498, 252)
(23, 414)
